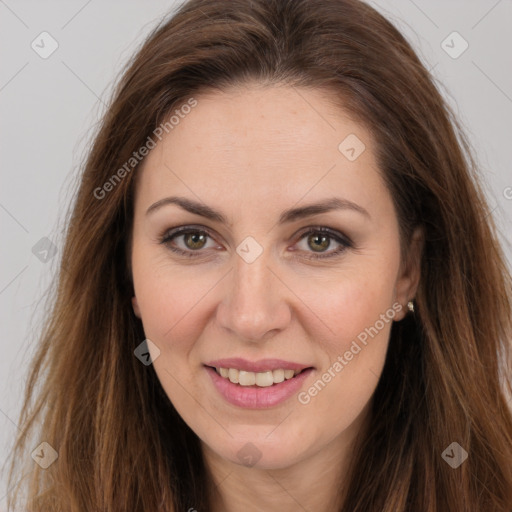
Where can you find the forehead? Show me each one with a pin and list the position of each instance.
(272, 119)
(255, 143)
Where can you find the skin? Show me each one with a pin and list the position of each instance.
(252, 152)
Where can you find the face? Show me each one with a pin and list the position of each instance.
(253, 281)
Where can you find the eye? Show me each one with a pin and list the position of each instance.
(319, 239)
(193, 240)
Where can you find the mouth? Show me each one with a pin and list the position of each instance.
(257, 384)
(261, 379)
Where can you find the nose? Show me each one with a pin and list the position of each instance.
(256, 304)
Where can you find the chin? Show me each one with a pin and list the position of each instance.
(261, 451)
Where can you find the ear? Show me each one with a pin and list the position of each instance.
(135, 306)
(410, 272)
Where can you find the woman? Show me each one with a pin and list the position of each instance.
(281, 288)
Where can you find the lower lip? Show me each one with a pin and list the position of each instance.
(258, 397)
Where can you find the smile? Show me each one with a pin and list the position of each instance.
(257, 385)
(259, 379)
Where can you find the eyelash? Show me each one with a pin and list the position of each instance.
(345, 242)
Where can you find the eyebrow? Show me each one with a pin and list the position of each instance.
(290, 215)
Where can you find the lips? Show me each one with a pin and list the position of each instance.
(264, 392)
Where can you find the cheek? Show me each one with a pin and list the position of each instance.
(358, 312)
(172, 312)
(348, 303)
(166, 293)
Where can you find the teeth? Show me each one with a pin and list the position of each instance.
(264, 379)
(261, 379)
(246, 378)
(278, 376)
(288, 374)
(233, 375)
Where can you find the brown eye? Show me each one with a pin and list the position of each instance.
(187, 241)
(194, 240)
(319, 242)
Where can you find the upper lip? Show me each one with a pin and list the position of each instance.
(257, 366)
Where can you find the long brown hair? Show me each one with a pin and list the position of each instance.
(121, 445)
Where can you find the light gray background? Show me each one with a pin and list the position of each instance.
(50, 107)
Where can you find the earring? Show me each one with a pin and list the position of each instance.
(410, 306)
